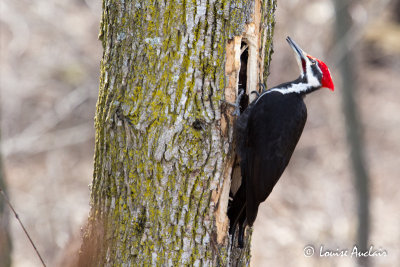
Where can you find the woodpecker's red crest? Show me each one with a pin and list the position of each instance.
(307, 64)
(326, 74)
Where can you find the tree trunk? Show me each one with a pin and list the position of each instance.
(5, 238)
(353, 128)
(164, 154)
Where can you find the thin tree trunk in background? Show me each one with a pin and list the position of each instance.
(354, 128)
(397, 11)
(5, 239)
(163, 153)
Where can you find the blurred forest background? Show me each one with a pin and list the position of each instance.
(49, 70)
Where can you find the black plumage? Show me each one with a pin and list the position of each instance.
(267, 133)
(266, 140)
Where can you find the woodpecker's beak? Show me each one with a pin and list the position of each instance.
(301, 55)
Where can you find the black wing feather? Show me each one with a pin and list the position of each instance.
(274, 128)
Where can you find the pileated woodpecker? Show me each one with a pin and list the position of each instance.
(267, 133)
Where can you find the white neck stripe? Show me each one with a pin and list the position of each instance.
(294, 88)
(312, 82)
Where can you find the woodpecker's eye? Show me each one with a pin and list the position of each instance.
(312, 60)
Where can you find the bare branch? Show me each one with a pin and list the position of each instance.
(22, 225)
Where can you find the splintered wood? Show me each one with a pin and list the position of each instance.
(252, 37)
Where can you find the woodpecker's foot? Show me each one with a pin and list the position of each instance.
(236, 105)
(256, 93)
(236, 112)
(263, 90)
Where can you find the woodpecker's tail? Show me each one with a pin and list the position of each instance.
(237, 215)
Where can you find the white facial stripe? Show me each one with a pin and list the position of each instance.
(312, 82)
(311, 79)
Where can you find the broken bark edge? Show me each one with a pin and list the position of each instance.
(252, 37)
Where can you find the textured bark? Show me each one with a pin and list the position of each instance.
(163, 153)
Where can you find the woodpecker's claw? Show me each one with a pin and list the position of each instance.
(263, 90)
(237, 103)
(236, 112)
(256, 93)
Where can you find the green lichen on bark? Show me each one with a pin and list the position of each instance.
(159, 151)
(268, 14)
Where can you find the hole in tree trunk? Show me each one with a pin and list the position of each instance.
(242, 85)
(236, 178)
